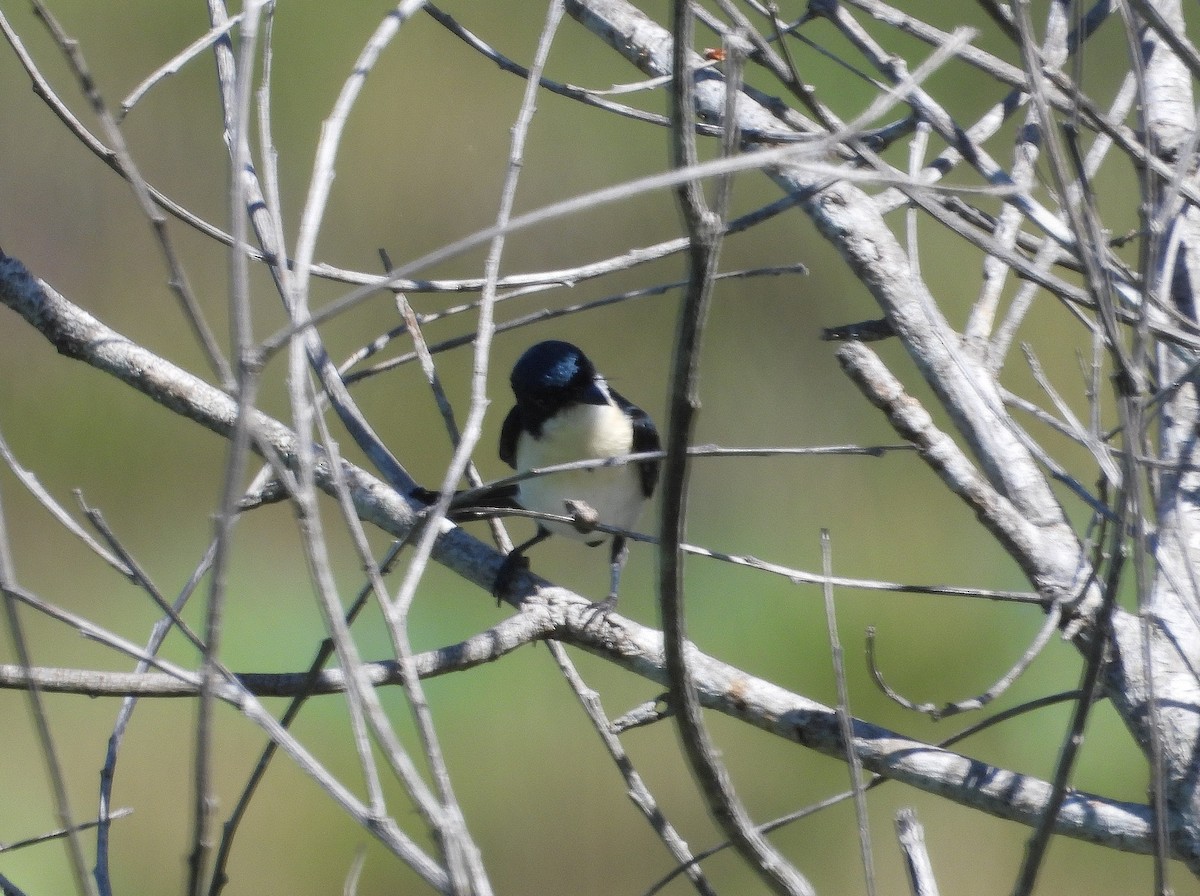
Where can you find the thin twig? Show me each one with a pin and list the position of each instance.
(464, 853)
(37, 711)
(178, 281)
(139, 575)
(43, 497)
(309, 685)
(638, 792)
(587, 96)
(176, 63)
(935, 712)
(1098, 450)
(1039, 839)
(158, 634)
(845, 724)
(63, 832)
(539, 316)
(315, 546)
(247, 383)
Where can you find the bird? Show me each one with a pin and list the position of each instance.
(566, 411)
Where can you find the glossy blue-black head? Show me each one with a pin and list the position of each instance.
(552, 374)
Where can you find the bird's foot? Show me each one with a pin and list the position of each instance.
(600, 610)
(514, 564)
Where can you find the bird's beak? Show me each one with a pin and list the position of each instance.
(596, 393)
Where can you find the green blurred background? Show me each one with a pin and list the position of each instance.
(421, 165)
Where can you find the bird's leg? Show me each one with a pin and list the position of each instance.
(620, 553)
(516, 562)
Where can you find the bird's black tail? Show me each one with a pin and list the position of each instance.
(473, 503)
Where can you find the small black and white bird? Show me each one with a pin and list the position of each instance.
(565, 412)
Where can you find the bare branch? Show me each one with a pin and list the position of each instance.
(911, 835)
(845, 725)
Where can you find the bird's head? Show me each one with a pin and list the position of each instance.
(554, 374)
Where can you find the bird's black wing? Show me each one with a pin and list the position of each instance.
(645, 438)
(509, 433)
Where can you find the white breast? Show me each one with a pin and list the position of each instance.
(580, 433)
